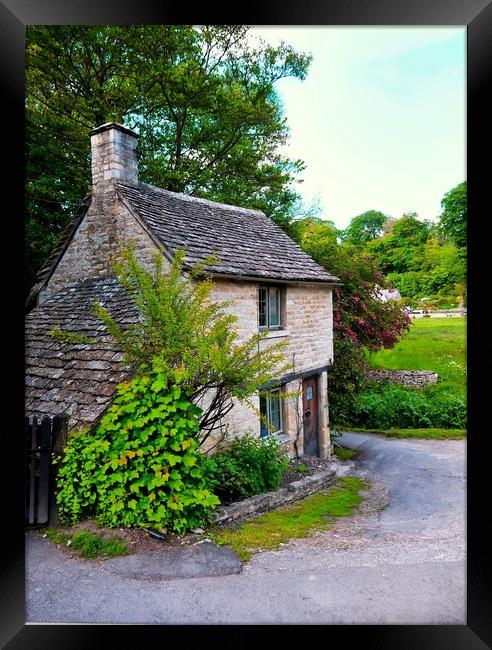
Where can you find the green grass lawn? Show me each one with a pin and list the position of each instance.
(437, 344)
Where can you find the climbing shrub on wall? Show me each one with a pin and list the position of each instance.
(141, 465)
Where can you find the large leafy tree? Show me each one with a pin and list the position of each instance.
(203, 100)
(403, 249)
(365, 227)
(425, 268)
(453, 219)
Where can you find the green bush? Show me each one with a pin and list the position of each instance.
(389, 405)
(250, 465)
(141, 466)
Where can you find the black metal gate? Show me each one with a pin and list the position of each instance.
(45, 438)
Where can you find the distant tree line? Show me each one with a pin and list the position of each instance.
(426, 261)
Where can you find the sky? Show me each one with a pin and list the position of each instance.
(380, 120)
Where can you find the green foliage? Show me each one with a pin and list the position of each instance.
(346, 380)
(202, 98)
(436, 344)
(425, 434)
(403, 249)
(424, 267)
(304, 469)
(390, 405)
(453, 219)
(56, 536)
(251, 465)
(431, 344)
(195, 337)
(344, 454)
(364, 227)
(439, 278)
(269, 531)
(360, 319)
(141, 466)
(358, 314)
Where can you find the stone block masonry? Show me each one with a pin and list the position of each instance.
(411, 378)
(97, 242)
(114, 154)
(269, 500)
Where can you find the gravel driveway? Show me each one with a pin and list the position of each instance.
(400, 559)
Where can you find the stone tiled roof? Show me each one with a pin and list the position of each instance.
(77, 379)
(248, 243)
(49, 266)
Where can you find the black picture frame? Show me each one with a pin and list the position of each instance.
(477, 16)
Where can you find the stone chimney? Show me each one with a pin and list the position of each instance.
(114, 155)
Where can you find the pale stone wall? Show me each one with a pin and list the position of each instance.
(324, 417)
(113, 154)
(308, 319)
(412, 378)
(308, 322)
(97, 242)
(292, 416)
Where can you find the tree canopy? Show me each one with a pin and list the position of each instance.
(365, 227)
(453, 219)
(202, 99)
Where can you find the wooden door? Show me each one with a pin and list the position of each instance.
(310, 416)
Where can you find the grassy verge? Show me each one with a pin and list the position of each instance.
(437, 434)
(89, 545)
(344, 454)
(302, 519)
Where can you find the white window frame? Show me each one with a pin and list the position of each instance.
(267, 288)
(267, 398)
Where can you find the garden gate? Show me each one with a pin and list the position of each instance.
(45, 439)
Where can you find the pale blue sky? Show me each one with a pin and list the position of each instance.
(380, 120)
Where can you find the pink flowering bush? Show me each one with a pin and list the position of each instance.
(360, 319)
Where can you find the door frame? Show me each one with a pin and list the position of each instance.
(316, 378)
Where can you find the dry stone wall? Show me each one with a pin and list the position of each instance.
(283, 496)
(412, 378)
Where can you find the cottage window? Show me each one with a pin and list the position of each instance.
(269, 306)
(271, 411)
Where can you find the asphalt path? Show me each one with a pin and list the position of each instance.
(399, 560)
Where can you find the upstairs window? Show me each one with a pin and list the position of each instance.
(269, 307)
(271, 411)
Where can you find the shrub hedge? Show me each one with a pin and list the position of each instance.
(389, 405)
(249, 466)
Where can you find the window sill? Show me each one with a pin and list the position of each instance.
(274, 334)
(283, 438)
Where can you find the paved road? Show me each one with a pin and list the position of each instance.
(403, 564)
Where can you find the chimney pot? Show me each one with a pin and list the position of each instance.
(114, 154)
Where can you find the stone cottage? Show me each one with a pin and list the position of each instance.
(273, 283)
